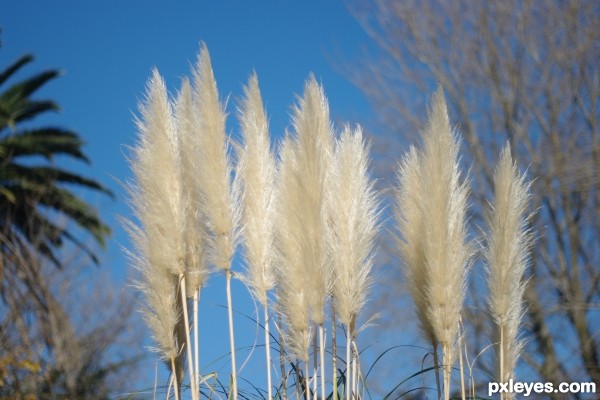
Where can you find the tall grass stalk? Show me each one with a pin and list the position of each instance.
(447, 252)
(353, 214)
(314, 150)
(410, 218)
(431, 217)
(334, 351)
(256, 173)
(508, 242)
(303, 181)
(156, 200)
(188, 342)
(196, 271)
(348, 384)
(175, 383)
(196, 339)
(322, 359)
(220, 199)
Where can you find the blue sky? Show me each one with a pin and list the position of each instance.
(107, 50)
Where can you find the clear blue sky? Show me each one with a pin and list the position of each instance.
(108, 48)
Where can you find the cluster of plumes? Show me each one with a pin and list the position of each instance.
(192, 207)
(308, 223)
(182, 198)
(326, 221)
(430, 208)
(305, 161)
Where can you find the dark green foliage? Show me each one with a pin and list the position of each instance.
(33, 191)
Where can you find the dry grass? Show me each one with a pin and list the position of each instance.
(309, 226)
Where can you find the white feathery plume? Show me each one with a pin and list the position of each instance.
(410, 219)
(156, 202)
(194, 234)
(431, 204)
(292, 279)
(156, 166)
(447, 254)
(220, 201)
(220, 198)
(353, 214)
(508, 242)
(256, 173)
(191, 162)
(314, 151)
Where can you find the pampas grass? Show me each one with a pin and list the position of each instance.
(292, 279)
(353, 213)
(256, 172)
(508, 242)
(194, 229)
(308, 224)
(441, 264)
(156, 200)
(410, 218)
(314, 151)
(220, 199)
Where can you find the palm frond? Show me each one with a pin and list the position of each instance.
(14, 67)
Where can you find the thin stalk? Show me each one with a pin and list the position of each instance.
(231, 335)
(322, 353)
(175, 383)
(348, 368)
(354, 367)
(168, 387)
(188, 342)
(282, 362)
(268, 352)
(307, 381)
(445, 351)
(299, 385)
(436, 364)
(314, 378)
(502, 395)
(334, 351)
(462, 368)
(196, 344)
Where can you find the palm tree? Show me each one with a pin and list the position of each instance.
(34, 193)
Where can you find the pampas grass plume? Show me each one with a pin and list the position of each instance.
(256, 173)
(292, 280)
(314, 151)
(447, 253)
(411, 219)
(156, 202)
(191, 162)
(431, 206)
(508, 243)
(220, 200)
(353, 214)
